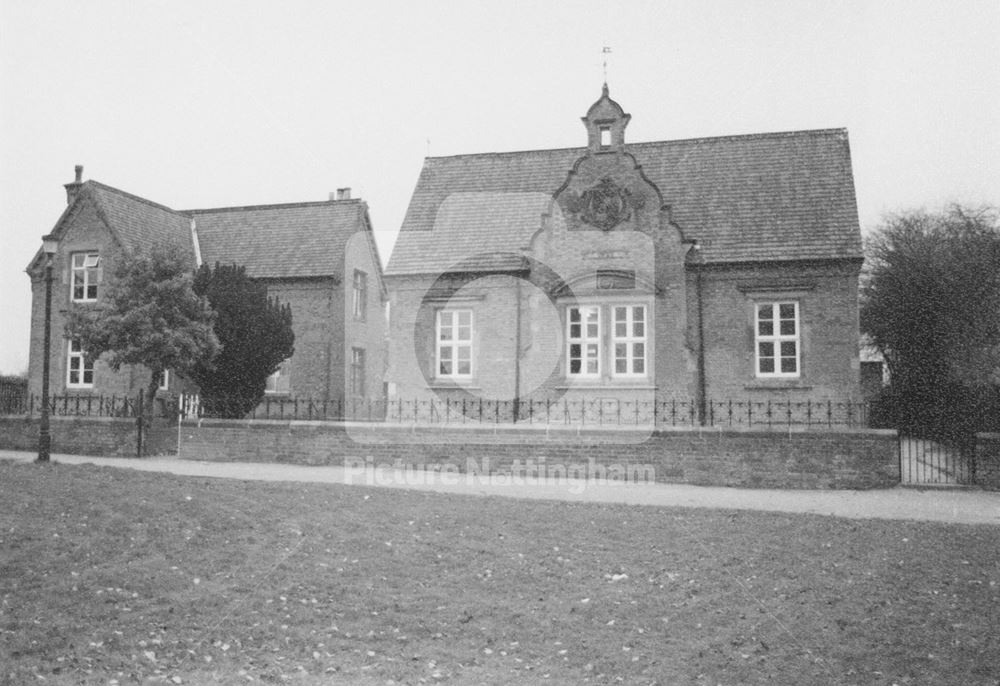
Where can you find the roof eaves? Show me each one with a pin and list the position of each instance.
(278, 206)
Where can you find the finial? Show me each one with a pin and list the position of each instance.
(605, 51)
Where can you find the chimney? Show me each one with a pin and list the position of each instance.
(344, 193)
(73, 188)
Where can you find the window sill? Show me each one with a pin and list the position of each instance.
(597, 385)
(778, 385)
(442, 385)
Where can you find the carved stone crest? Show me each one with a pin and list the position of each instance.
(605, 205)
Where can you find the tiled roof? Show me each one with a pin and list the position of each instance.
(271, 241)
(139, 223)
(280, 241)
(472, 232)
(761, 197)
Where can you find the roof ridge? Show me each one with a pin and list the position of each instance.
(131, 196)
(698, 139)
(274, 206)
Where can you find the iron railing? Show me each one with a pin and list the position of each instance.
(674, 412)
(598, 412)
(84, 405)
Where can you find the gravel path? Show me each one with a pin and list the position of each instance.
(965, 506)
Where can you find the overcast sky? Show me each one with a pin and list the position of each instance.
(211, 104)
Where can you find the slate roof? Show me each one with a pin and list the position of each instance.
(759, 197)
(297, 240)
(138, 223)
(473, 231)
(280, 241)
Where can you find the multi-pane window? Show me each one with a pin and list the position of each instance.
(629, 340)
(358, 372)
(584, 341)
(454, 343)
(360, 294)
(79, 370)
(777, 339)
(84, 270)
(281, 381)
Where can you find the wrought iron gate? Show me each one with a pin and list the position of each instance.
(925, 461)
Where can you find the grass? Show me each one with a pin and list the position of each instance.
(113, 575)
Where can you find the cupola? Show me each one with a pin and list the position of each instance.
(605, 122)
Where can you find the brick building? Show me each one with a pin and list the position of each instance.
(319, 257)
(719, 268)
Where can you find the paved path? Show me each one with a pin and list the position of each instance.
(942, 505)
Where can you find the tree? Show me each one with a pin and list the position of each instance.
(256, 336)
(931, 305)
(149, 315)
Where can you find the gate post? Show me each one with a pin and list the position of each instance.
(138, 425)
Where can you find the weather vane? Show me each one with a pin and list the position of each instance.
(605, 51)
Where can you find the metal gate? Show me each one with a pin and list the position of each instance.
(924, 461)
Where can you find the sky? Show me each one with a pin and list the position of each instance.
(210, 104)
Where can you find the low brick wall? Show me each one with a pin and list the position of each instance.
(988, 461)
(98, 436)
(773, 459)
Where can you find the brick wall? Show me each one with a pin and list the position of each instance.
(988, 460)
(97, 436)
(366, 333)
(316, 366)
(828, 317)
(86, 232)
(849, 459)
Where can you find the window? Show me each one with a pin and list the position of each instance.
(358, 372)
(164, 381)
(84, 270)
(281, 381)
(605, 136)
(777, 340)
(454, 343)
(584, 341)
(79, 370)
(620, 347)
(360, 294)
(629, 339)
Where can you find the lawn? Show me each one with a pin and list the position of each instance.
(111, 575)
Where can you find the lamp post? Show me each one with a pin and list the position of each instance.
(49, 245)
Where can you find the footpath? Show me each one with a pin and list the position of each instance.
(964, 506)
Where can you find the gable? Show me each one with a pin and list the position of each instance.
(764, 197)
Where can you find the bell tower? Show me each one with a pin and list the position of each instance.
(605, 122)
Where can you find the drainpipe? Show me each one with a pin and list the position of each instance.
(701, 349)
(517, 351)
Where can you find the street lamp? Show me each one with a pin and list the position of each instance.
(49, 245)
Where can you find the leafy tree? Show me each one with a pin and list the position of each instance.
(931, 305)
(149, 315)
(256, 336)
